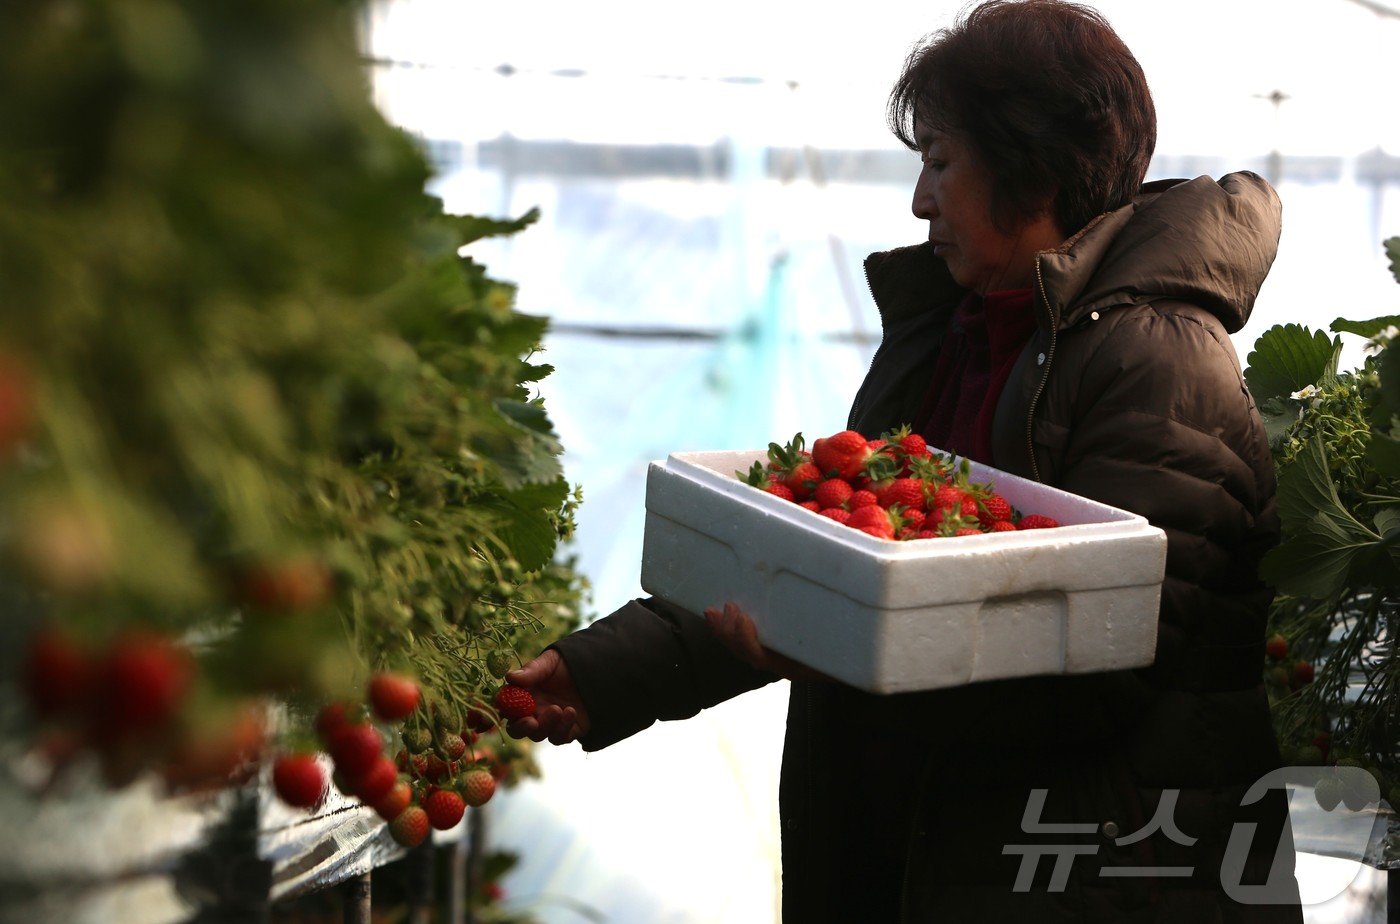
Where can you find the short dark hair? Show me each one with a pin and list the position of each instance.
(1049, 99)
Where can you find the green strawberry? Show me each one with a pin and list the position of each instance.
(499, 661)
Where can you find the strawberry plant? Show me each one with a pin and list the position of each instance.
(1332, 665)
(267, 434)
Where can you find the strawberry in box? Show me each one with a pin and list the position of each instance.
(989, 596)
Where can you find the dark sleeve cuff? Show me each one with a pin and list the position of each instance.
(650, 660)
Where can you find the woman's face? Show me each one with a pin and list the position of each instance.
(954, 195)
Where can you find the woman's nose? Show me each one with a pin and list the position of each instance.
(924, 205)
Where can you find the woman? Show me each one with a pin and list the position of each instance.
(1064, 324)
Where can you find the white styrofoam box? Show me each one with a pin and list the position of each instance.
(891, 617)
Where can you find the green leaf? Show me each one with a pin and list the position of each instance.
(1286, 357)
(531, 453)
(1383, 454)
(530, 372)
(1367, 329)
(1324, 542)
(1305, 487)
(526, 414)
(475, 227)
(1392, 250)
(1390, 380)
(1317, 560)
(526, 525)
(1388, 521)
(1278, 414)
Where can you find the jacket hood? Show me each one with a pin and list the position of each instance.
(1202, 241)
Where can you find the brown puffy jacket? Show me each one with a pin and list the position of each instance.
(902, 807)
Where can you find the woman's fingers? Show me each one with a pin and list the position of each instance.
(552, 723)
(732, 626)
(737, 632)
(535, 671)
(744, 632)
(567, 729)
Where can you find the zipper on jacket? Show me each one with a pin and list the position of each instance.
(1044, 373)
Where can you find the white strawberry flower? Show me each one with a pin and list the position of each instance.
(1304, 393)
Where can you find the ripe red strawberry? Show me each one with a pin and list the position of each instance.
(374, 784)
(479, 721)
(435, 769)
(910, 446)
(1037, 521)
(803, 479)
(393, 696)
(946, 496)
(965, 511)
(392, 803)
(914, 519)
(444, 809)
(811, 505)
(861, 499)
(478, 786)
(16, 402)
(926, 534)
(1277, 646)
(994, 508)
(950, 522)
(778, 489)
(515, 702)
(487, 755)
(903, 492)
(1301, 674)
(218, 750)
(332, 716)
(58, 673)
(933, 468)
(791, 466)
(302, 582)
(875, 520)
(1002, 526)
(299, 779)
(911, 443)
(833, 492)
(141, 682)
(411, 827)
(355, 748)
(967, 531)
(841, 454)
(836, 513)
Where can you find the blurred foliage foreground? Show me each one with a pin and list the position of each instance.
(266, 436)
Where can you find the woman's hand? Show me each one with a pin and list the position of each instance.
(733, 627)
(560, 716)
